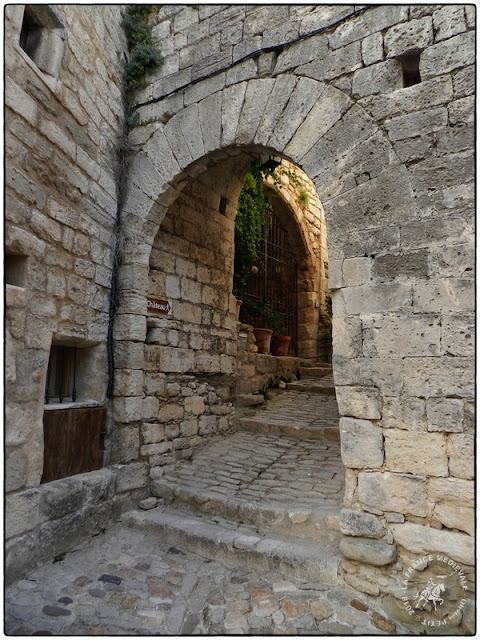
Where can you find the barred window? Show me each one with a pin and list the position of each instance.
(61, 384)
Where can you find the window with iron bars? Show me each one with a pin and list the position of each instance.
(61, 380)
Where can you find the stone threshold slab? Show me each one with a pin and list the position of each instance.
(279, 516)
(301, 431)
(290, 556)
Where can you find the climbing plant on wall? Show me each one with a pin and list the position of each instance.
(144, 55)
(253, 207)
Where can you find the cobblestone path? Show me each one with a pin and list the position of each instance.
(134, 581)
(126, 582)
(302, 408)
(258, 467)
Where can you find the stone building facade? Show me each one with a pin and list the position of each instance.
(375, 105)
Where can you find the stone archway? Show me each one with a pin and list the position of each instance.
(324, 132)
(352, 163)
(366, 192)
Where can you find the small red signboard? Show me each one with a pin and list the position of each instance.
(159, 306)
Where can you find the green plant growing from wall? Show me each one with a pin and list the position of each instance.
(303, 198)
(252, 209)
(144, 55)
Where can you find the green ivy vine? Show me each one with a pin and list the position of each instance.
(253, 207)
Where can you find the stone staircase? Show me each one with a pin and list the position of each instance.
(266, 497)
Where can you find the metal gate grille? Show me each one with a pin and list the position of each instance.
(276, 279)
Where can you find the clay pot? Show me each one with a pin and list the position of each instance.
(280, 345)
(239, 304)
(263, 338)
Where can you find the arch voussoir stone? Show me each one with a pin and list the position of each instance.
(233, 98)
(256, 100)
(325, 113)
(189, 122)
(161, 155)
(279, 97)
(302, 99)
(355, 126)
(210, 116)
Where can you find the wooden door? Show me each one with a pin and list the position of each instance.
(73, 441)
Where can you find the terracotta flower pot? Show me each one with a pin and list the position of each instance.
(263, 338)
(239, 304)
(280, 345)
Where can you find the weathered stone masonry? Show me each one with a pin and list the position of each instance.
(390, 152)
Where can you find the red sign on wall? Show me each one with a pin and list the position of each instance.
(159, 306)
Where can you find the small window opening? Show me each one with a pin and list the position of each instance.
(61, 384)
(15, 270)
(223, 205)
(411, 68)
(42, 37)
(30, 35)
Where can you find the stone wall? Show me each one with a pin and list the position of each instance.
(60, 208)
(61, 129)
(257, 372)
(46, 522)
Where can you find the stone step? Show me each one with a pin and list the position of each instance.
(315, 372)
(301, 520)
(236, 546)
(323, 386)
(259, 424)
(249, 400)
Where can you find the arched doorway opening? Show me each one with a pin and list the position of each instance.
(190, 347)
(291, 268)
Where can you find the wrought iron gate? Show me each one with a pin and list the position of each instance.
(275, 279)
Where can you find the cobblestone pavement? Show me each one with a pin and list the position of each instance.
(262, 467)
(302, 408)
(125, 582)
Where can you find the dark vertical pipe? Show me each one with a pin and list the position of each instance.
(74, 389)
(61, 373)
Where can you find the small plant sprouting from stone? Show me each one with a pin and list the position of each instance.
(303, 198)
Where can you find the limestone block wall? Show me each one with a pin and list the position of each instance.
(61, 128)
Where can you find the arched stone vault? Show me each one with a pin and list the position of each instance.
(335, 141)
(315, 125)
